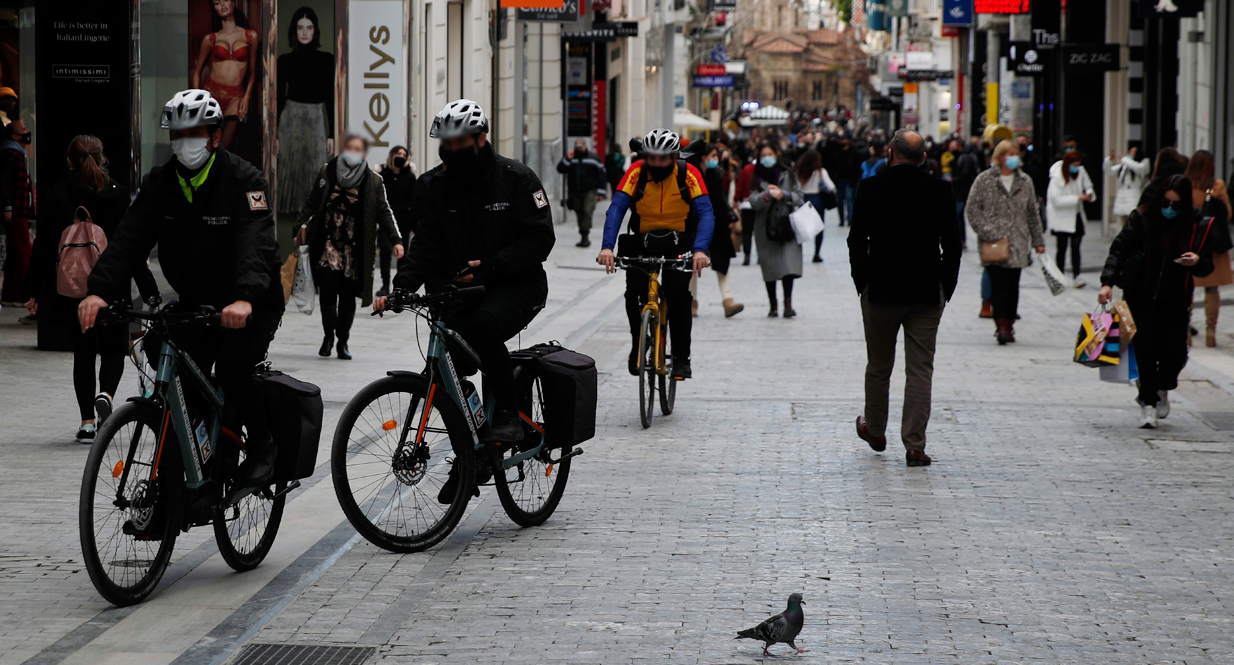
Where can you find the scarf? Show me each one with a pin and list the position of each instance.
(770, 176)
(349, 177)
(10, 144)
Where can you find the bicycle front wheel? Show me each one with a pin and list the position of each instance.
(668, 385)
(395, 486)
(530, 490)
(128, 532)
(647, 368)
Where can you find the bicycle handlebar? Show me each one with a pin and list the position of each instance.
(399, 300)
(206, 315)
(684, 263)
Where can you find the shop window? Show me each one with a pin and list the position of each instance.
(164, 72)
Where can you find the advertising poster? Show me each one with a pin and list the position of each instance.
(307, 119)
(224, 59)
(377, 75)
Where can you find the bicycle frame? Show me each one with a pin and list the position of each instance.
(660, 308)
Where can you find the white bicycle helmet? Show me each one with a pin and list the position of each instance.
(191, 108)
(661, 142)
(459, 118)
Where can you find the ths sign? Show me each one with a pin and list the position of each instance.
(1002, 6)
(376, 75)
(1090, 57)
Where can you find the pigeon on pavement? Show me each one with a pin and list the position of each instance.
(782, 627)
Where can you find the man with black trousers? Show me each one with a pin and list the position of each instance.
(905, 262)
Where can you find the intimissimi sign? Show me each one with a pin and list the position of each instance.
(377, 75)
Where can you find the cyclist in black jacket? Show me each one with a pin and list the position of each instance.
(207, 211)
(488, 215)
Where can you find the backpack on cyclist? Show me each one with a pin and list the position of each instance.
(682, 186)
(80, 246)
(294, 410)
(569, 381)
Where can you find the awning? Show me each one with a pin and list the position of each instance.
(683, 117)
(770, 112)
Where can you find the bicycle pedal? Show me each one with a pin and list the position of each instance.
(295, 484)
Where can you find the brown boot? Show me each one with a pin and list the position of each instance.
(1004, 332)
(732, 308)
(789, 312)
(987, 310)
(1212, 306)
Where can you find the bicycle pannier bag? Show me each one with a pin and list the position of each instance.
(80, 246)
(570, 385)
(294, 409)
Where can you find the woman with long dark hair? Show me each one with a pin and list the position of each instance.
(306, 109)
(86, 186)
(1206, 189)
(230, 51)
(1155, 259)
(814, 182)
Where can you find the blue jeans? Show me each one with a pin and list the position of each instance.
(816, 200)
(845, 193)
(959, 217)
(987, 287)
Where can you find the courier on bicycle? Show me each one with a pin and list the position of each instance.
(671, 216)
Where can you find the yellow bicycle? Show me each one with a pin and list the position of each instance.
(655, 361)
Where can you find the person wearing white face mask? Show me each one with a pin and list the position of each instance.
(208, 213)
(340, 222)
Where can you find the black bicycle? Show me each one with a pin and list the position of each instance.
(401, 437)
(163, 463)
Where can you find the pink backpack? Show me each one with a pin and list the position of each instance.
(80, 246)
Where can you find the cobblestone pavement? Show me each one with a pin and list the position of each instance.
(1049, 529)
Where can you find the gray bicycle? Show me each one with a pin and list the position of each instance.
(401, 437)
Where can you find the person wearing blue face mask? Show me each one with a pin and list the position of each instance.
(1155, 259)
(1069, 189)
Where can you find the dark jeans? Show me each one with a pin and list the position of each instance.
(1160, 345)
(747, 231)
(1063, 240)
(338, 302)
(1005, 283)
(816, 200)
(846, 192)
(959, 218)
(110, 342)
(385, 252)
(675, 289)
(487, 322)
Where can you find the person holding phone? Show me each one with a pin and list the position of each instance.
(1155, 259)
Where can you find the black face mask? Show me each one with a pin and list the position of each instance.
(24, 138)
(400, 162)
(461, 162)
(658, 173)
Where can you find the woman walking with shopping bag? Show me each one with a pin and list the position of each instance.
(1068, 191)
(1002, 209)
(339, 223)
(1155, 259)
(774, 193)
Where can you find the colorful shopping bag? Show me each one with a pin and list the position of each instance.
(1097, 343)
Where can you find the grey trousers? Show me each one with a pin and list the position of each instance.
(882, 327)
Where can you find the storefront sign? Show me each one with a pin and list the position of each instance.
(957, 12)
(377, 75)
(620, 29)
(897, 7)
(599, 116)
(578, 88)
(590, 36)
(1090, 57)
(566, 11)
(1026, 59)
(949, 31)
(723, 5)
(1002, 6)
(925, 74)
(1170, 8)
(724, 81)
(711, 70)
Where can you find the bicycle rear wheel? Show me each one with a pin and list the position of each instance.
(530, 490)
(128, 533)
(245, 531)
(647, 368)
(668, 385)
(388, 484)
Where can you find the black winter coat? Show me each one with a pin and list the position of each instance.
(1141, 260)
(214, 251)
(399, 189)
(500, 217)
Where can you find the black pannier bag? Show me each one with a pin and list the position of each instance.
(570, 385)
(294, 410)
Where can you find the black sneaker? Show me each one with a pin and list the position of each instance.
(633, 362)
(681, 368)
(86, 434)
(258, 466)
(507, 427)
(102, 408)
(583, 242)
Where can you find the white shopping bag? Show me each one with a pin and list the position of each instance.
(1055, 280)
(1126, 371)
(807, 223)
(302, 289)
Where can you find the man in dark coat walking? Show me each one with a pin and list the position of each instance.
(585, 177)
(905, 261)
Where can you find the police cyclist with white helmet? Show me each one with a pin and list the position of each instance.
(671, 216)
(484, 220)
(208, 213)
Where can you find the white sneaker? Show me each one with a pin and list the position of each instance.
(1148, 417)
(1079, 283)
(1163, 403)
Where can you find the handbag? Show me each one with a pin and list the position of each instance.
(997, 251)
(1055, 280)
(807, 223)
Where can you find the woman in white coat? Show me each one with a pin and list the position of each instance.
(1070, 187)
(1132, 174)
